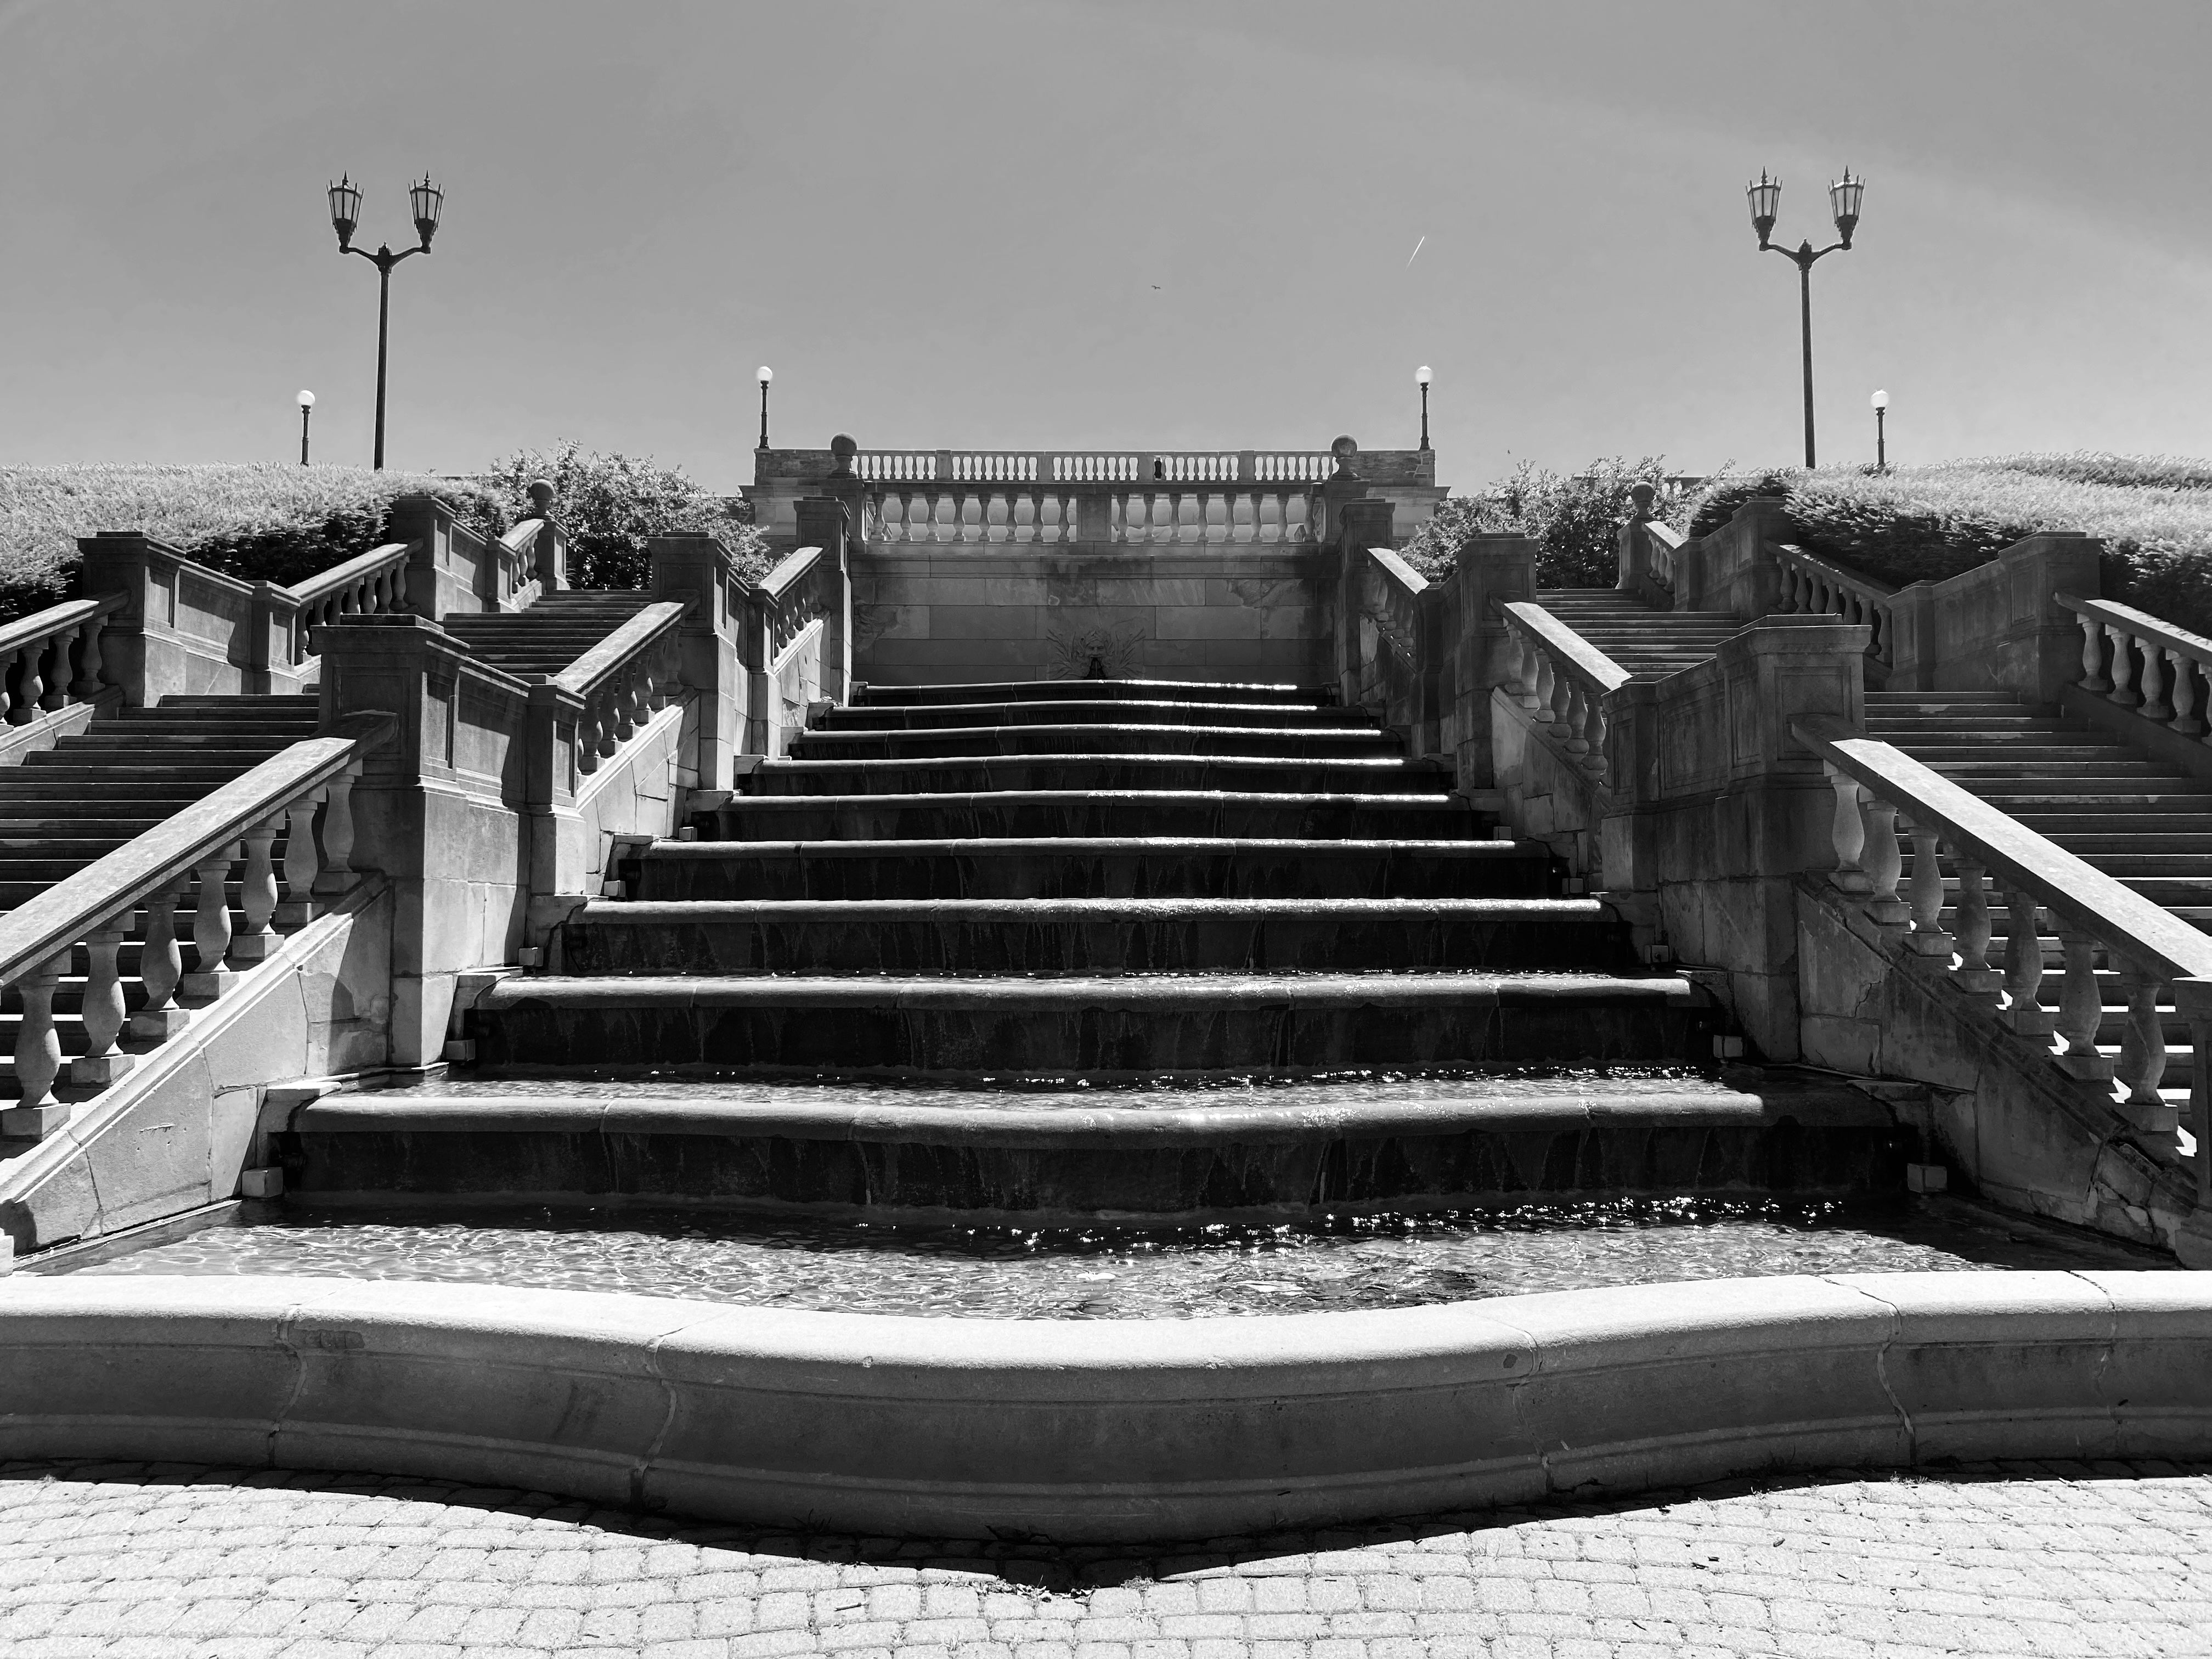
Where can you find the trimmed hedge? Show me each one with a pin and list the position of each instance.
(610, 503)
(1573, 519)
(2153, 513)
(265, 522)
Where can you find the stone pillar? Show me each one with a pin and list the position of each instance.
(696, 570)
(828, 522)
(1490, 573)
(137, 651)
(2041, 653)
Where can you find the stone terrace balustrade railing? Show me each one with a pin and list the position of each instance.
(1089, 466)
(2134, 660)
(52, 660)
(1563, 680)
(92, 911)
(1145, 511)
(1882, 794)
(1814, 587)
(623, 681)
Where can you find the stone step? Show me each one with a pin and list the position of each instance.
(308, 699)
(1087, 812)
(1110, 1028)
(1130, 1157)
(880, 696)
(2044, 805)
(1902, 728)
(1088, 867)
(1040, 712)
(2074, 830)
(1099, 738)
(1939, 701)
(1234, 773)
(1094, 935)
(2120, 766)
(1986, 756)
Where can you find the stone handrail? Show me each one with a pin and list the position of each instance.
(1881, 793)
(2171, 684)
(1146, 510)
(1814, 587)
(1099, 467)
(1662, 543)
(36, 675)
(196, 848)
(367, 586)
(623, 680)
(1562, 679)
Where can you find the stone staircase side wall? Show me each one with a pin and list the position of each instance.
(1543, 794)
(2002, 1114)
(1997, 626)
(174, 1133)
(1734, 569)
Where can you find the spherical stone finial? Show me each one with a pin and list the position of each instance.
(841, 450)
(1643, 495)
(1344, 449)
(541, 498)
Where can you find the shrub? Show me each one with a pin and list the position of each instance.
(264, 522)
(2154, 515)
(608, 504)
(1574, 520)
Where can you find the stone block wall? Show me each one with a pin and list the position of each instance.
(932, 615)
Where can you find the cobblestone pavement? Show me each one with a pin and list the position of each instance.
(137, 1562)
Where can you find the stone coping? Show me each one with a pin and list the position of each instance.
(1106, 1429)
(1165, 1119)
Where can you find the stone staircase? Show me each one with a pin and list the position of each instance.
(2146, 824)
(65, 806)
(1650, 644)
(1094, 948)
(551, 633)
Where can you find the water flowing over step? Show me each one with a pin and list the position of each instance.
(1094, 948)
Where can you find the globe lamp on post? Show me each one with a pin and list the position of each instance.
(766, 375)
(427, 203)
(1845, 195)
(1880, 434)
(1421, 379)
(306, 408)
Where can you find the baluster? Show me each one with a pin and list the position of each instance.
(104, 1009)
(2023, 969)
(1847, 833)
(2193, 1004)
(8, 702)
(1928, 938)
(58, 670)
(2081, 1007)
(2124, 668)
(338, 833)
(2092, 655)
(160, 967)
(2186, 721)
(1547, 683)
(618, 707)
(2155, 707)
(298, 907)
(1973, 975)
(87, 685)
(257, 894)
(1577, 715)
(1594, 730)
(36, 1114)
(1884, 862)
(608, 718)
(2142, 1052)
(31, 687)
(211, 974)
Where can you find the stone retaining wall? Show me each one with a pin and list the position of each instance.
(1106, 1429)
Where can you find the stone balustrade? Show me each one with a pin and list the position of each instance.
(623, 681)
(52, 660)
(1562, 679)
(1814, 587)
(180, 869)
(368, 585)
(1147, 512)
(2134, 660)
(2003, 868)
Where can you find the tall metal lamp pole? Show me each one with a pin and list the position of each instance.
(1421, 379)
(427, 202)
(1844, 198)
(306, 407)
(766, 375)
(1881, 433)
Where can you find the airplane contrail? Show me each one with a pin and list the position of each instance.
(1416, 253)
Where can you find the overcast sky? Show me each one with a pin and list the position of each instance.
(1065, 222)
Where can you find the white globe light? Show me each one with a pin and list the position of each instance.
(766, 374)
(306, 399)
(1421, 375)
(1881, 400)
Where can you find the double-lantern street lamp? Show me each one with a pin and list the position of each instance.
(1844, 198)
(427, 202)
(1421, 379)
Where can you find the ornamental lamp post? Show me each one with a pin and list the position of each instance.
(427, 202)
(1421, 379)
(766, 375)
(306, 404)
(1845, 196)
(1881, 436)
